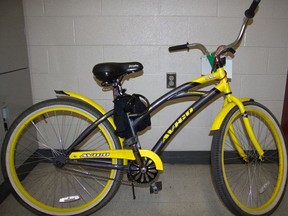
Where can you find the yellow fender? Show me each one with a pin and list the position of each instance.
(87, 100)
(222, 114)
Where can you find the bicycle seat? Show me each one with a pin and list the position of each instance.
(109, 72)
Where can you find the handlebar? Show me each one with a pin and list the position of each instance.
(179, 47)
(188, 46)
(249, 14)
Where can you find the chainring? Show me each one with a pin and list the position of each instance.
(142, 175)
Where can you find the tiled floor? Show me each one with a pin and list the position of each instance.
(187, 190)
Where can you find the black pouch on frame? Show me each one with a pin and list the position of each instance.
(129, 104)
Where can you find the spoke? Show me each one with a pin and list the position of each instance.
(83, 187)
(58, 131)
(53, 127)
(45, 143)
(68, 133)
(89, 174)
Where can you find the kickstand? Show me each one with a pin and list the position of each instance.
(133, 191)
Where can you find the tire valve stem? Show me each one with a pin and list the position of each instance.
(264, 187)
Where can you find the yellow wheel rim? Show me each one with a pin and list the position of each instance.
(280, 180)
(22, 192)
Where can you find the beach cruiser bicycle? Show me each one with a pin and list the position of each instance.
(67, 156)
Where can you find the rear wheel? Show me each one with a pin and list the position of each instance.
(246, 184)
(33, 159)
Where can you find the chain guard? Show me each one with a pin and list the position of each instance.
(142, 175)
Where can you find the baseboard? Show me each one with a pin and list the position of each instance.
(186, 157)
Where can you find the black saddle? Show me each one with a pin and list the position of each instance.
(110, 72)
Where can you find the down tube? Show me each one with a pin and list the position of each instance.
(164, 140)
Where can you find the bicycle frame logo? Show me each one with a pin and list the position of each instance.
(94, 155)
(176, 124)
(210, 76)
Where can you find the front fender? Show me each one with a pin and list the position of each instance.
(222, 114)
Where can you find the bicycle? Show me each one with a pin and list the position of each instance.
(67, 156)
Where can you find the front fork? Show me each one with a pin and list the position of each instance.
(228, 99)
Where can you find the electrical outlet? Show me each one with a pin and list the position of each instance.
(171, 80)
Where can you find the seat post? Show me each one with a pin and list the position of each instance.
(117, 89)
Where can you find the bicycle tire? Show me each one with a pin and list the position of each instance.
(29, 153)
(251, 187)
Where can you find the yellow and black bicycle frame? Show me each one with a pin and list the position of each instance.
(189, 89)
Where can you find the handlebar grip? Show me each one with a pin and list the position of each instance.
(179, 48)
(250, 12)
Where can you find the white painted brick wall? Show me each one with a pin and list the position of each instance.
(66, 38)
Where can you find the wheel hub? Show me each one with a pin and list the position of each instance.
(60, 160)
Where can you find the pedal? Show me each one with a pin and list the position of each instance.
(155, 187)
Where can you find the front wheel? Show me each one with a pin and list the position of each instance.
(34, 165)
(246, 184)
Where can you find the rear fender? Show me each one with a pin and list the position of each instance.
(86, 100)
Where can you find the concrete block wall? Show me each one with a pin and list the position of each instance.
(66, 38)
